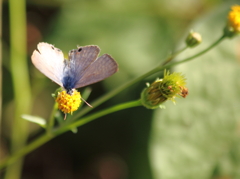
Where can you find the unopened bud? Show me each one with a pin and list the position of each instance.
(193, 39)
(164, 89)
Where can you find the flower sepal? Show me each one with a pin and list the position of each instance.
(55, 94)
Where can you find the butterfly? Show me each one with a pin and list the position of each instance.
(83, 66)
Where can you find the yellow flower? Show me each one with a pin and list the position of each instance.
(68, 103)
(234, 19)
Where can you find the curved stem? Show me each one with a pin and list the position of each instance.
(200, 53)
(128, 84)
(91, 117)
(113, 93)
(45, 137)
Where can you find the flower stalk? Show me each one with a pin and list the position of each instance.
(51, 119)
(159, 68)
(46, 137)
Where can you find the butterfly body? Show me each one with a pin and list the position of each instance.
(83, 66)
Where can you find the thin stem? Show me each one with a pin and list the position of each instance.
(172, 56)
(129, 83)
(113, 93)
(45, 137)
(25, 150)
(200, 53)
(96, 115)
(51, 119)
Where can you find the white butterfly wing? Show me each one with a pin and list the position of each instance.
(49, 60)
(100, 69)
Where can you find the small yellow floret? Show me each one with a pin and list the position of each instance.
(68, 103)
(234, 18)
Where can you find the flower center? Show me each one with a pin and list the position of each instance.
(68, 103)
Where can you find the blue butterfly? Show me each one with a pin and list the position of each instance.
(83, 67)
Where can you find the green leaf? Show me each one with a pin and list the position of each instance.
(38, 120)
(74, 130)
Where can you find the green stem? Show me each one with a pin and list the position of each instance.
(25, 150)
(45, 137)
(51, 119)
(113, 93)
(128, 84)
(171, 57)
(20, 78)
(96, 115)
(199, 54)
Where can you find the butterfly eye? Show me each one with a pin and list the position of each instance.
(80, 49)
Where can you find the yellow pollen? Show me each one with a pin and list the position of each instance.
(68, 103)
(234, 18)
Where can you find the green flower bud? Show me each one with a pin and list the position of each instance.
(151, 96)
(161, 90)
(193, 39)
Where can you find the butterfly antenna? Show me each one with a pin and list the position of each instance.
(87, 103)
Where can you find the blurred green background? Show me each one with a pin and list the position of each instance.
(198, 138)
